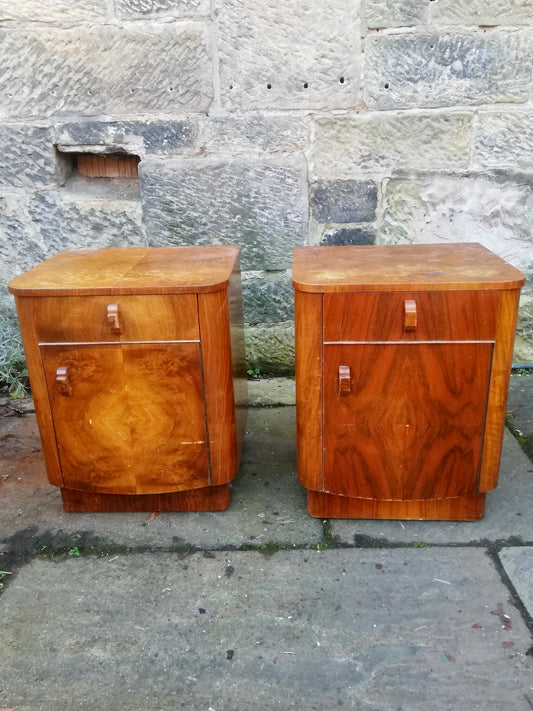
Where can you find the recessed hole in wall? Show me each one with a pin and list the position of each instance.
(114, 165)
(341, 80)
(231, 86)
(269, 86)
(386, 85)
(171, 88)
(306, 85)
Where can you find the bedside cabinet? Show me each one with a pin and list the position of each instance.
(136, 363)
(403, 357)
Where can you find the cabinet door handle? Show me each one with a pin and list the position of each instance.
(409, 322)
(63, 383)
(113, 318)
(345, 380)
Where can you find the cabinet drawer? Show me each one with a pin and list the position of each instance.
(411, 316)
(83, 319)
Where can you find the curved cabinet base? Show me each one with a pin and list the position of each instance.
(460, 508)
(208, 498)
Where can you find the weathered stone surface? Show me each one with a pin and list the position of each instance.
(523, 346)
(101, 69)
(257, 204)
(285, 55)
(33, 227)
(344, 201)
(347, 147)
(53, 10)
(26, 156)
(348, 235)
(504, 140)
(481, 12)
(134, 9)
(132, 136)
(518, 564)
(494, 211)
(256, 132)
(414, 70)
(390, 13)
(268, 299)
(271, 348)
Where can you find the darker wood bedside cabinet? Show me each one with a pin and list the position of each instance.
(403, 358)
(136, 363)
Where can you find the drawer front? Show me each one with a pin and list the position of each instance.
(119, 319)
(411, 316)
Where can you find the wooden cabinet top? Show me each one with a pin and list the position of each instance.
(427, 267)
(130, 270)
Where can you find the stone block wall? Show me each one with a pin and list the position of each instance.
(269, 124)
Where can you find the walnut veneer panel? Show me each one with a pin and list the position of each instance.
(424, 267)
(440, 316)
(78, 319)
(134, 422)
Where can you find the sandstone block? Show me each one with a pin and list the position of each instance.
(268, 299)
(347, 147)
(390, 13)
(35, 226)
(257, 204)
(271, 348)
(481, 12)
(342, 236)
(288, 55)
(104, 69)
(344, 201)
(431, 70)
(26, 156)
(491, 210)
(255, 132)
(53, 10)
(131, 136)
(504, 140)
(141, 9)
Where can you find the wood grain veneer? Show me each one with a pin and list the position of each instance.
(403, 356)
(135, 359)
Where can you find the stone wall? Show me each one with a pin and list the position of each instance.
(270, 124)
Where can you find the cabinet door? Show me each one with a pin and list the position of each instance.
(129, 419)
(404, 421)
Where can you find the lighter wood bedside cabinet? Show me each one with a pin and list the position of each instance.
(136, 363)
(403, 357)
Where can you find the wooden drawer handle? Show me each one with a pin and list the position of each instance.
(409, 323)
(63, 383)
(113, 318)
(345, 380)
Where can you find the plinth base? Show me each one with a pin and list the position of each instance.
(461, 508)
(209, 498)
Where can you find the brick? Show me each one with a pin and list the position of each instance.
(133, 136)
(271, 348)
(504, 140)
(347, 147)
(256, 132)
(259, 205)
(481, 12)
(53, 10)
(490, 210)
(282, 54)
(26, 156)
(431, 70)
(268, 299)
(104, 69)
(135, 9)
(344, 201)
(391, 13)
(343, 236)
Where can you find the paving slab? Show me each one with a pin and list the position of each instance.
(518, 564)
(507, 514)
(365, 629)
(268, 504)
